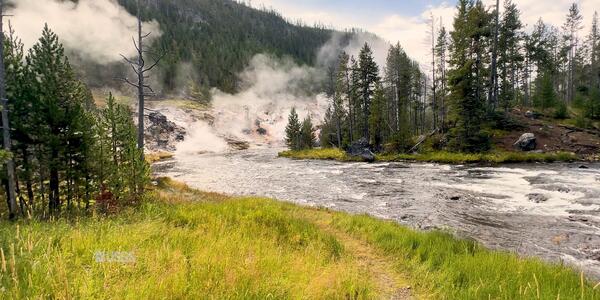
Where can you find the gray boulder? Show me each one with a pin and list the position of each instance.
(362, 149)
(527, 142)
(537, 198)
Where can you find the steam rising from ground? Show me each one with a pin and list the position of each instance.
(270, 87)
(97, 29)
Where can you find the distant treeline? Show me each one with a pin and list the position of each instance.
(482, 69)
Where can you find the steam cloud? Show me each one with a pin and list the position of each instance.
(100, 30)
(270, 87)
(331, 50)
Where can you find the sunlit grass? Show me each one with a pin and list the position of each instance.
(462, 269)
(191, 244)
(491, 157)
(319, 154)
(217, 247)
(153, 157)
(439, 156)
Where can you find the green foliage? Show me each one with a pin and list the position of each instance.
(466, 78)
(224, 248)
(307, 134)
(292, 131)
(561, 112)
(462, 269)
(545, 96)
(59, 137)
(592, 106)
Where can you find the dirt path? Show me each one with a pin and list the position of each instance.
(390, 283)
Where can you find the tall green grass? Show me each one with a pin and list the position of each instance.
(193, 245)
(462, 269)
(244, 248)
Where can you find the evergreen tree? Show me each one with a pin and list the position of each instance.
(292, 131)
(369, 76)
(307, 134)
(341, 96)
(60, 109)
(377, 117)
(510, 57)
(466, 77)
(441, 53)
(572, 27)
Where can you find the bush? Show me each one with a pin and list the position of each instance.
(561, 111)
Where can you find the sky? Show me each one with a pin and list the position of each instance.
(406, 21)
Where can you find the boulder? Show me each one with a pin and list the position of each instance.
(362, 149)
(537, 198)
(532, 115)
(527, 142)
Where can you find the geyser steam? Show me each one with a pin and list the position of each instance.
(100, 30)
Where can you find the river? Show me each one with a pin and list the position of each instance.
(550, 211)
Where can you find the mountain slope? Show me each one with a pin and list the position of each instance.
(217, 38)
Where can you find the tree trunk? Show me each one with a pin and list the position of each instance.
(10, 164)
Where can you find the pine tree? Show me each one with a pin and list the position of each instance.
(369, 76)
(292, 131)
(307, 134)
(60, 108)
(376, 117)
(341, 96)
(510, 58)
(441, 52)
(572, 27)
(466, 77)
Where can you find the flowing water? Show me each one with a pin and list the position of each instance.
(546, 210)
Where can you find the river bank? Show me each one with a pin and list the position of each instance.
(186, 243)
(499, 157)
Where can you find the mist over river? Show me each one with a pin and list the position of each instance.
(546, 210)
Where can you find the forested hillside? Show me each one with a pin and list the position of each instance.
(488, 71)
(217, 38)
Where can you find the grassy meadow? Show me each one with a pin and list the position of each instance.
(183, 243)
(496, 157)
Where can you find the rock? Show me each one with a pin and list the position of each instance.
(162, 134)
(532, 114)
(362, 149)
(563, 189)
(261, 131)
(537, 198)
(527, 142)
(455, 198)
(584, 167)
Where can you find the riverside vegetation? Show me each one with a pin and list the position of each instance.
(473, 89)
(187, 243)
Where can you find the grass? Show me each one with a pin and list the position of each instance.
(491, 157)
(190, 244)
(319, 154)
(439, 157)
(157, 156)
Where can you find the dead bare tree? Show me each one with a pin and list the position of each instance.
(10, 164)
(140, 68)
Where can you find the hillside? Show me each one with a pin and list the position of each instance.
(217, 38)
